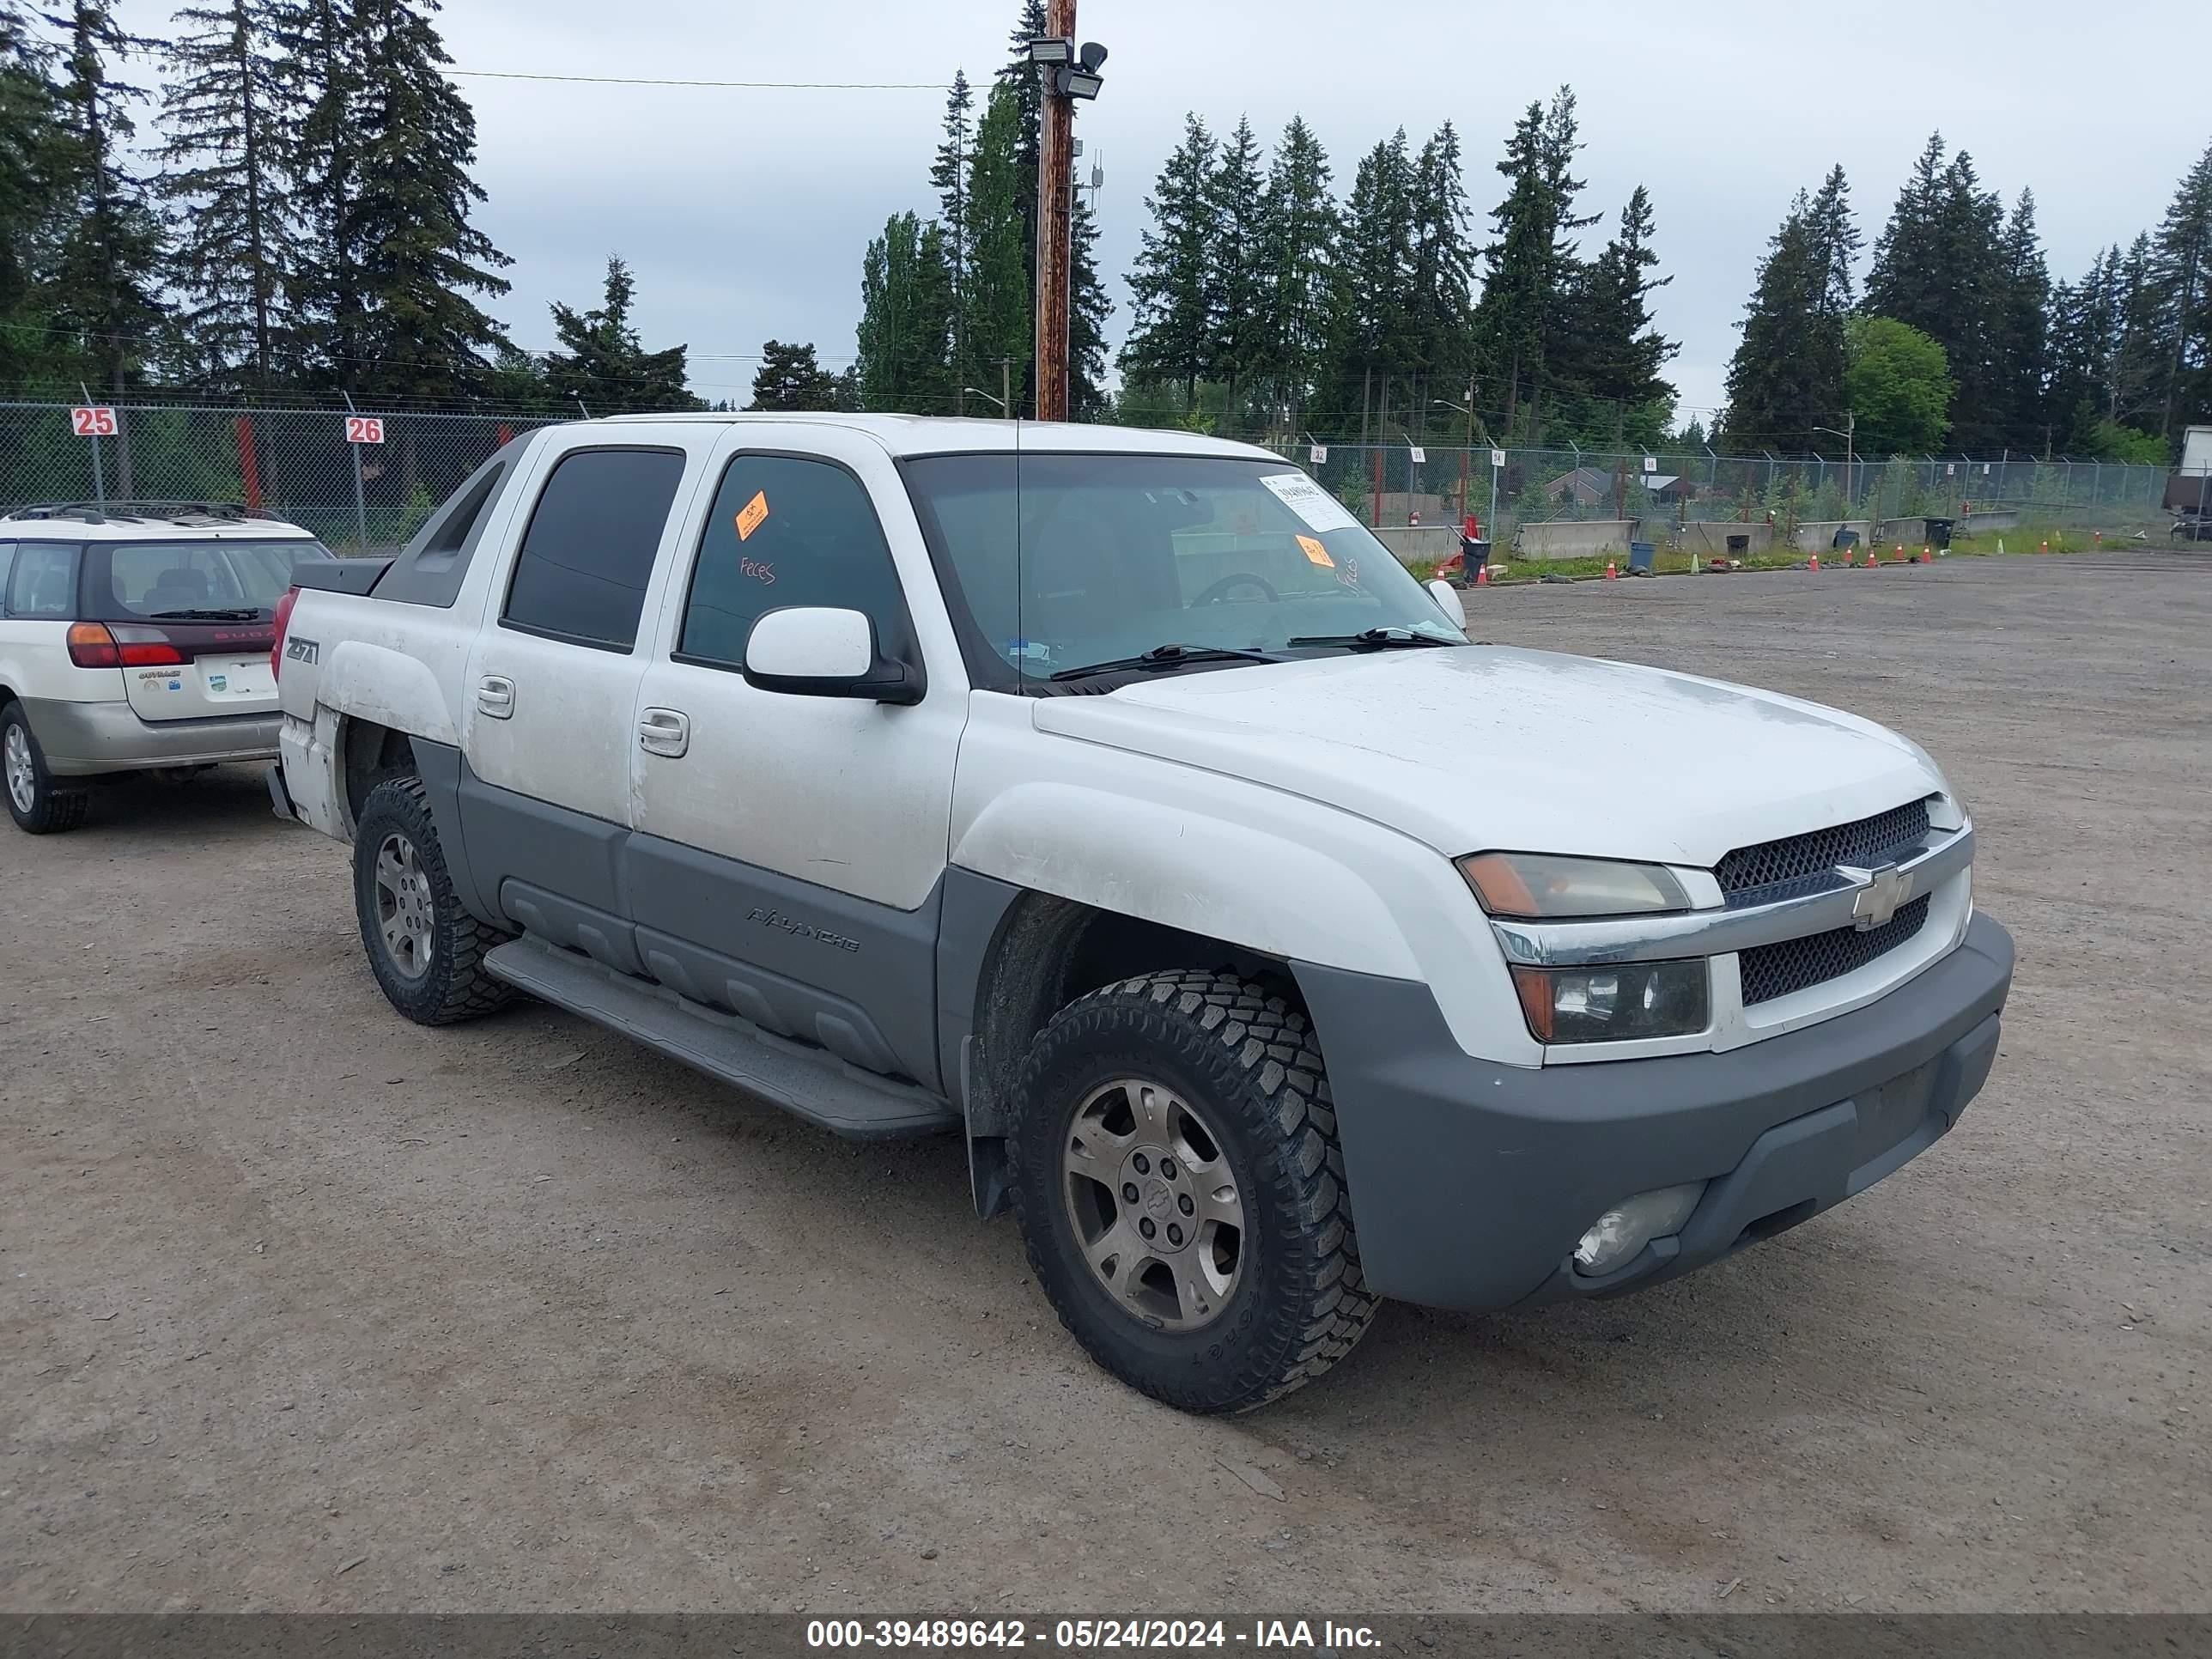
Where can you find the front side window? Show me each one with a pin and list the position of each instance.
(192, 581)
(1067, 561)
(43, 584)
(786, 530)
(587, 555)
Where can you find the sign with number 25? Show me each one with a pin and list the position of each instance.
(91, 421)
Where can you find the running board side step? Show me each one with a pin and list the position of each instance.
(809, 1082)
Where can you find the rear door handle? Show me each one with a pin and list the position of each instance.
(664, 732)
(495, 697)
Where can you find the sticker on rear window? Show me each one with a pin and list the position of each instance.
(1316, 552)
(751, 514)
(1321, 510)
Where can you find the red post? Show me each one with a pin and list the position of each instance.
(506, 435)
(249, 464)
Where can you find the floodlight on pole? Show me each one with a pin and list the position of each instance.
(978, 392)
(1048, 49)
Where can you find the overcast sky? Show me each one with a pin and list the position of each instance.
(744, 213)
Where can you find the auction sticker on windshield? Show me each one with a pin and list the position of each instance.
(1316, 553)
(1320, 509)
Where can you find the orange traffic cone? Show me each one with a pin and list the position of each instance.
(1611, 574)
(1850, 556)
(1482, 575)
(1901, 550)
(1872, 559)
(1815, 564)
(1926, 557)
(2046, 547)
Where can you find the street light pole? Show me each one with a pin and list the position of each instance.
(1054, 231)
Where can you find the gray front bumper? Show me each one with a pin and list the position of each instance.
(1471, 1182)
(82, 738)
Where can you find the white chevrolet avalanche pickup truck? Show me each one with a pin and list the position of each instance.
(1114, 799)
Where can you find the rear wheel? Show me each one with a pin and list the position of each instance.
(35, 800)
(1179, 1186)
(426, 950)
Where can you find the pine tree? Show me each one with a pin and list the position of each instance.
(1174, 332)
(28, 144)
(1237, 279)
(1440, 298)
(1298, 259)
(227, 182)
(2019, 336)
(1532, 262)
(1900, 284)
(1087, 308)
(906, 321)
(419, 259)
(1620, 353)
(790, 379)
(2082, 326)
(104, 285)
(322, 71)
(1787, 375)
(2181, 267)
(2135, 392)
(1836, 239)
(948, 176)
(1378, 336)
(603, 361)
(998, 306)
(1938, 266)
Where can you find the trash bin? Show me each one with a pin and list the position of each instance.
(1845, 537)
(1939, 533)
(1739, 546)
(1476, 554)
(1639, 557)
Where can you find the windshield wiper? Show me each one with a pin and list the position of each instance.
(249, 614)
(1167, 656)
(1372, 639)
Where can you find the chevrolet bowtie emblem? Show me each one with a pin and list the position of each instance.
(1878, 900)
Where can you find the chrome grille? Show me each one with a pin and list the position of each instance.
(1866, 843)
(1776, 970)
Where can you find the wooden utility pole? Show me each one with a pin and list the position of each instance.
(1055, 250)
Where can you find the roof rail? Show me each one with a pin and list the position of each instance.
(154, 508)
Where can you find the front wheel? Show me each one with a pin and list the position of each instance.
(1179, 1186)
(426, 950)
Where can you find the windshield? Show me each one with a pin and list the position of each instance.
(240, 580)
(1094, 559)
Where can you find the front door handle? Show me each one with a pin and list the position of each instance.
(664, 732)
(495, 697)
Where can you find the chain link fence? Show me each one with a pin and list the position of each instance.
(1662, 493)
(296, 464)
(299, 465)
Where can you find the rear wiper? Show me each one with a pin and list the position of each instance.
(248, 615)
(1372, 639)
(1166, 656)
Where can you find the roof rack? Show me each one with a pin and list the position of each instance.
(160, 507)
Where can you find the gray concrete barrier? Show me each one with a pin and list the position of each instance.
(1574, 538)
(1819, 535)
(1418, 544)
(1710, 539)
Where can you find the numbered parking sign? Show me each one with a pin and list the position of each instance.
(364, 429)
(1420, 456)
(1317, 454)
(1498, 458)
(95, 421)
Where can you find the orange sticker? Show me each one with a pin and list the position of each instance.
(751, 514)
(1317, 552)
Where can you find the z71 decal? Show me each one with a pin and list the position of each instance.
(299, 650)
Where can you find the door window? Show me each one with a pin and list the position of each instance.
(587, 555)
(788, 531)
(43, 585)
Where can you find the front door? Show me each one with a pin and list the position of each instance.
(552, 689)
(790, 849)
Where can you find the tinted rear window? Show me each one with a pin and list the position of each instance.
(124, 580)
(587, 558)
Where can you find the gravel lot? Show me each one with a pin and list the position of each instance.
(307, 1308)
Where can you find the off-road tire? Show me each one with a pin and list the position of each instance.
(455, 986)
(1251, 1065)
(54, 806)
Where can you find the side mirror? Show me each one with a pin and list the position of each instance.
(1449, 601)
(818, 651)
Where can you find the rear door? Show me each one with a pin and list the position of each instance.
(194, 620)
(552, 688)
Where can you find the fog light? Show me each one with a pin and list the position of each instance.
(1631, 1225)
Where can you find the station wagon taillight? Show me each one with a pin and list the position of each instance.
(96, 645)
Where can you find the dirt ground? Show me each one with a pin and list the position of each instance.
(305, 1308)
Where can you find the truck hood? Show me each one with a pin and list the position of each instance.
(1488, 747)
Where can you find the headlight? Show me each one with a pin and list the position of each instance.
(1613, 1004)
(1540, 887)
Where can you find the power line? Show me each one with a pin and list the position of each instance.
(732, 86)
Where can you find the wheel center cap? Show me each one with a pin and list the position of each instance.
(1159, 1202)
